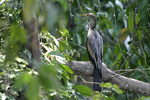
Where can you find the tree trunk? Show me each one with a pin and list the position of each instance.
(33, 42)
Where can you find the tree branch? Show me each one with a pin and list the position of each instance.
(85, 68)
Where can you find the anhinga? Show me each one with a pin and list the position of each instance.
(95, 51)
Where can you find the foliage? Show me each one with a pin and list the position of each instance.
(63, 37)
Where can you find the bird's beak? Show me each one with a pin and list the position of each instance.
(83, 15)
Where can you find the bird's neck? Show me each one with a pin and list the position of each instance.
(93, 23)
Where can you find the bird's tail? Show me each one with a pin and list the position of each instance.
(97, 79)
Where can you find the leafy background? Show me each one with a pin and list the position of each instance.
(123, 24)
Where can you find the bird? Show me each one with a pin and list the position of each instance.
(94, 45)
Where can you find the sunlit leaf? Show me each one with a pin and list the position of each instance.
(59, 57)
(67, 68)
(106, 85)
(109, 4)
(17, 38)
(144, 98)
(116, 89)
(118, 3)
(84, 90)
(88, 8)
(55, 40)
(130, 22)
(22, 80)
(47, 76)
(64, 4)
(124, 33)
(137, 19)
(33, 91)
(56, 54)
(64, 32)
(21, 60)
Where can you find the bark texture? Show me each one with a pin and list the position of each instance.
(33, 42)
(85, 68)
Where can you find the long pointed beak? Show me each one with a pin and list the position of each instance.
(83, 15)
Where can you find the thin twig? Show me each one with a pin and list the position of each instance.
(117, 38)
(77, 45)
(82, 11)
(4, 28)
(127, 58)
(131, 69)
(99, 6)
(144, 55)
(107, 37)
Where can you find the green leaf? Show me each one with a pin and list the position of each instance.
(65, 32)
(136, 75)
(59, 57)
(67, 68)
(130, 22)
(62, 45)
(147, 49)
(88, 8)
(142, 4)
(121, 14)
(21, 60)
(137, 19)
(64, 4)
(79, 40)
(118, 3)
(130, 8)
(144, 98)
(56, 53)
(47, 75)
(16, 41)
(79, 96)
(144, 20)
(106, 85)
(55, 40)
(117, 50)
(33, 91)
(143, 13)
(29, 54)
(116, 89)
(84, 90)
(134, 60)
(22, 80)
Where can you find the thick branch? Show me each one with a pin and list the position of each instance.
(85, 68)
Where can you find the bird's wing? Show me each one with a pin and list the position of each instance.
(95, 47)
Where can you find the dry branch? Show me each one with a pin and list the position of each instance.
(85, 68)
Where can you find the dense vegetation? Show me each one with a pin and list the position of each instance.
(123, 24)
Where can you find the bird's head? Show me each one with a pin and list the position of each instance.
(93, 23)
